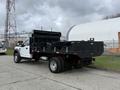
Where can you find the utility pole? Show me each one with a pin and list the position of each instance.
(10, 23)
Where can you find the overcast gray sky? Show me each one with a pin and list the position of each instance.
(58, 14)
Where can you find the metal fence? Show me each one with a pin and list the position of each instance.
(111, 47)
(12, 40)
(109, 44)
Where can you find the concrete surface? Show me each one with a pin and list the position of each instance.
(36, 76)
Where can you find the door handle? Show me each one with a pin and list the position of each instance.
(26, 48)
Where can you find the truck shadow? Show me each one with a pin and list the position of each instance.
(44, 64)
(31, 62)
(2, 54)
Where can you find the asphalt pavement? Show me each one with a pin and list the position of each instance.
(36, 76)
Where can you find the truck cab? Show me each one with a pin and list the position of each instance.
(22, 50)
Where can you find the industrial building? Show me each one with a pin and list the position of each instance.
(100, 30)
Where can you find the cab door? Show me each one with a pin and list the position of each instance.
(25, 50)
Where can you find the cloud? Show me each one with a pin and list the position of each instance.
(2, 15)
(58, 14)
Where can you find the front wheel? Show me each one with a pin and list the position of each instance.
(17, 58)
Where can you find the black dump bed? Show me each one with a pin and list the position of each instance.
(49, 43)
(45, 36)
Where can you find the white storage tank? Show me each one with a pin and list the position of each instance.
(100, 30)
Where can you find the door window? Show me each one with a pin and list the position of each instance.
(26, 43)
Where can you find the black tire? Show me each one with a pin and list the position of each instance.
(78, 66)
(36, 59)
(62, 60)
(55, 65)
(68, 66)
(17, 58)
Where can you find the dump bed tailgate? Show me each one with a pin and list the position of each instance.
(86, 48)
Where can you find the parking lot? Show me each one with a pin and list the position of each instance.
(36, 76)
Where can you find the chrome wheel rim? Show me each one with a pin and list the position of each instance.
(53, 65)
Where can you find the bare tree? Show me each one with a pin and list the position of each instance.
(112, 16)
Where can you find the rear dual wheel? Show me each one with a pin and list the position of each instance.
(36, 59)
(56, 64)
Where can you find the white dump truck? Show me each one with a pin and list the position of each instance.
(61, 55)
